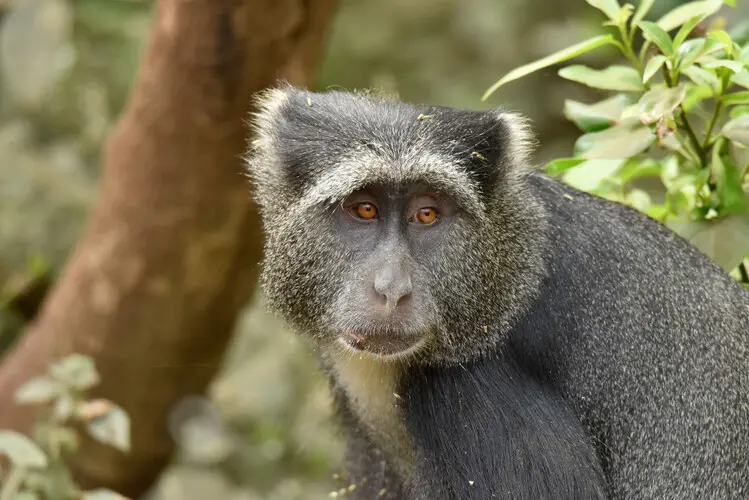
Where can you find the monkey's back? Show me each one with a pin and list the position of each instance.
(647, 338)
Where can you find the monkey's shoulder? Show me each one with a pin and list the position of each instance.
(621, 239)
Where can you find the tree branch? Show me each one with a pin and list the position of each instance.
(170, 251)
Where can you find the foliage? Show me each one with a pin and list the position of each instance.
(671, 140)
(38, 466)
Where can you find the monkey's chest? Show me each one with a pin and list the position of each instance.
(370, 386)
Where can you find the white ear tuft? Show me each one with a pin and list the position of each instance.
(261, 161)
(521, 141)
(268, 104)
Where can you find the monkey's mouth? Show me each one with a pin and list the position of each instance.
(380, 343)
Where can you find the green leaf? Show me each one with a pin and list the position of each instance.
(685, 12)
(608, 7)
(112, 428)
(77, 371)
(736, 98)
(695, 95)
(738, 111)
(598, 116)
(642, 11)
(552, 59)
(638, 199)
(728, 183)
(585, 117)
(621, 16)
(62, 439)
(724, 39)
(637, 169)
(658, 36)
(588, 176)
(702, 76)
(37, 390)
(615, 143)
(630, 114)
(685, 30)
(701, 178)
(670, 172)
(657, 212)
(660, 102)
(615, 105)
(744, 54)
(684, 186)
(652, 67)
(737, 130)
(561, 165)
(670, 142)
(64, 407)
(622, 78)
(22, 451)
(734, 66)
(690, 50)
(725, 240)
(741, 78)
(711, 46)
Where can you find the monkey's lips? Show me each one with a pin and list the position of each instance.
(381, 344)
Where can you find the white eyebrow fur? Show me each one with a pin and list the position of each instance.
(367, 167)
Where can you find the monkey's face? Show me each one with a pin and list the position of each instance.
(393, 271)
(390, 229)
(394, 235)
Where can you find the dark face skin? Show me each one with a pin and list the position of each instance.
(395, 234)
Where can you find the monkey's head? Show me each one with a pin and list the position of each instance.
(400, 231)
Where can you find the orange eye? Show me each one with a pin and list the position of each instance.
(426, 215)
(366, 211)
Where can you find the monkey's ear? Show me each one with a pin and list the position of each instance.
(263, 163)
(498, 144)
(516, 138)
(269, 105)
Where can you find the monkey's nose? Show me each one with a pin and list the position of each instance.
(392, 285)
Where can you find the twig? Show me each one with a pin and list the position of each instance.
(711, 125)
(626, 48)
(716, 113)
(687, 126)
(694, 140)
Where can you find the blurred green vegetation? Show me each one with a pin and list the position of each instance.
(65, 70)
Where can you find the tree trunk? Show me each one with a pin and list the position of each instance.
(170, 251)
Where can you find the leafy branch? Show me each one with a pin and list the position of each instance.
(678, 112)
(37, 466)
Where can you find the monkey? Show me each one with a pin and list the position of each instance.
(487, 330)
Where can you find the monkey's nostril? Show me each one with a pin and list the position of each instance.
(392, 286)
(398, 298)
(392, 297)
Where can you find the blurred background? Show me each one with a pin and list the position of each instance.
(66, 67)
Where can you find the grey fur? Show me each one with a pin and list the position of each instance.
(647, 340)
(359, 150)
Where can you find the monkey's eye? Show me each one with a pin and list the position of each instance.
(365, 211)
(425, 215)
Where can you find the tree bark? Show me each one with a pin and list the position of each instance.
(170, 251)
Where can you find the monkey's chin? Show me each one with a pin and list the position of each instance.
(381, 345)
